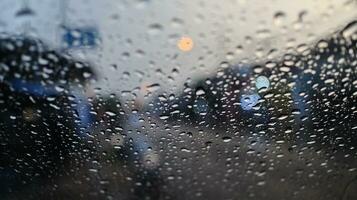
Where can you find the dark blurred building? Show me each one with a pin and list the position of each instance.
(310, 92)
(44, 112)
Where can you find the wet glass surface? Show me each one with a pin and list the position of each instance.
(149, 99)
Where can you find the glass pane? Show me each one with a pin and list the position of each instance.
(145, 99)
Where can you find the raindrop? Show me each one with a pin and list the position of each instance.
(155, 29)
(279, 18)
(350, 30)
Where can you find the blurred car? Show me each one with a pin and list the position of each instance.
(287, 99)
(44, 112)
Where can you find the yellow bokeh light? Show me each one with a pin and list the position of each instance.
(185, 44)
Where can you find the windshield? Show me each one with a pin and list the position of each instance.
(145, 99)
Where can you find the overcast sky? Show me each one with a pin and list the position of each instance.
(140, 36)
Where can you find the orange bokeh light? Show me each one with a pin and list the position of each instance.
(185, 44)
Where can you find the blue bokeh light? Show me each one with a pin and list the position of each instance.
(249, 101)
(262, 82)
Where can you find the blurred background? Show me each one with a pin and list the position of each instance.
(146, 99)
